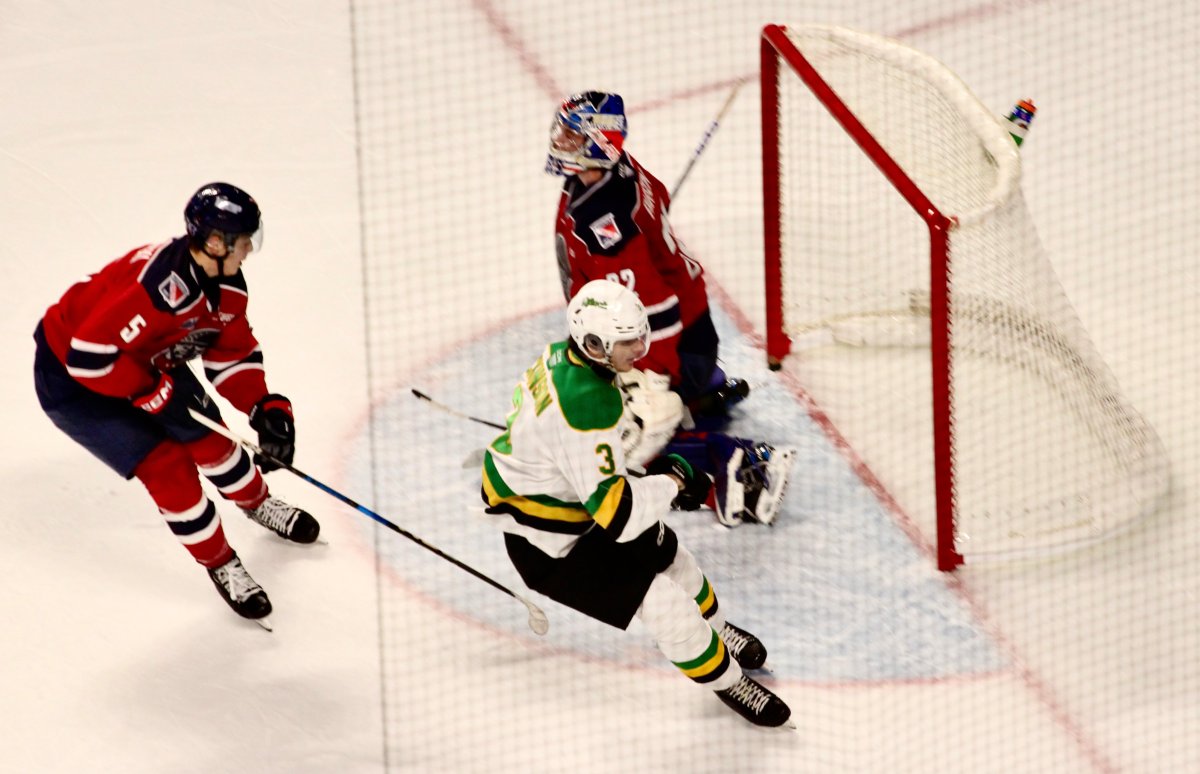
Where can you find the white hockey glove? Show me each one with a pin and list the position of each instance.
(652, 414)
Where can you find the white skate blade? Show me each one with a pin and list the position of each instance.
(780, 469)
(264, 622)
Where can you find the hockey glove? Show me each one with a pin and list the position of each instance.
(696, 484)
(155, 401)
(652, 414)
(272, 418)
(171, 400)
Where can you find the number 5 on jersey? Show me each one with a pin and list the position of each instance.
(131, 331)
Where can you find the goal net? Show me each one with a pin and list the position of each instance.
(907, 281)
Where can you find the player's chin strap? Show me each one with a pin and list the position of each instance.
(230, 240)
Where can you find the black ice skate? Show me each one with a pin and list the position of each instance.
(719, 401)
(239, 590)
(745, 648)
(285, 520)
(755, 703)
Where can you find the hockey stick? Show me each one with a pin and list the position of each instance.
(537, 619)
(712, 129)
(443, 407)
(475, 458)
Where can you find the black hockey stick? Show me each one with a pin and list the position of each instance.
(475, 458)
(537, 619)
(443, 407)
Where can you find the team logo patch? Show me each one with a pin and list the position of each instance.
(173, 290)
(606, 231)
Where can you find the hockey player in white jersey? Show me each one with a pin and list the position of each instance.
(583, 531)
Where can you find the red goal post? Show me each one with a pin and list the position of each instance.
(899, 253)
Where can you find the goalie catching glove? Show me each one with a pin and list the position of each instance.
(272, 418)
(695, 484)
(653, 412)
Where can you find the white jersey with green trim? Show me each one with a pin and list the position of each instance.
(559, 469)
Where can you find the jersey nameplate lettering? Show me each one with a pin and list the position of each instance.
(606, 231)
(536, 379)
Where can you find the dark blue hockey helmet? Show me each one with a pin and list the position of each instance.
(225, 208)
(588, 132)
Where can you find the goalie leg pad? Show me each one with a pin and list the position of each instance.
(729, 492)
(751, 481)
(773, 468)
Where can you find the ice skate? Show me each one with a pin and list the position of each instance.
(745, 648)
(751, 484)
(719, 401)
(287, 521)
(240, 591)
(756, 704)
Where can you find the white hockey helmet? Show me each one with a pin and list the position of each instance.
(604, 312)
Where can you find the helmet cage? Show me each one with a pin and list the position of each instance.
(588, 132)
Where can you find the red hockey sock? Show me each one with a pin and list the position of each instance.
(230, 469)
(170, 477)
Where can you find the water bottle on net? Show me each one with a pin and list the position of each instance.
(1019, 119)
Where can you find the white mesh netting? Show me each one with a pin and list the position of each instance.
(1048, 454)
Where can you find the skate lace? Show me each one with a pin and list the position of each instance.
(750, 694)
(275, 514)
(735, 641)
(237, 581)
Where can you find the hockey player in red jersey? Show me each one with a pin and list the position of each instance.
(111, 371)
(612, 224)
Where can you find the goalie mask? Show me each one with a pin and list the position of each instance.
(603, 313)
(588, 132)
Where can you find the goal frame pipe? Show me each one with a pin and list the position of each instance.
(775, 45)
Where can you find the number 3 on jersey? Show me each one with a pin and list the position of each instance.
(608, 466)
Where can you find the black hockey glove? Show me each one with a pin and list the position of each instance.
(696, 483)
(272, 418)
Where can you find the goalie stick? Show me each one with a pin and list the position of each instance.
(712, 129)
(537, 619)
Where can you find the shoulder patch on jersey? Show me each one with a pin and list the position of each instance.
(587, 401)
(606, 231)
(173, 290)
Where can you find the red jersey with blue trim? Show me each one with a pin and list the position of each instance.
(617, 229)
(152, 310)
